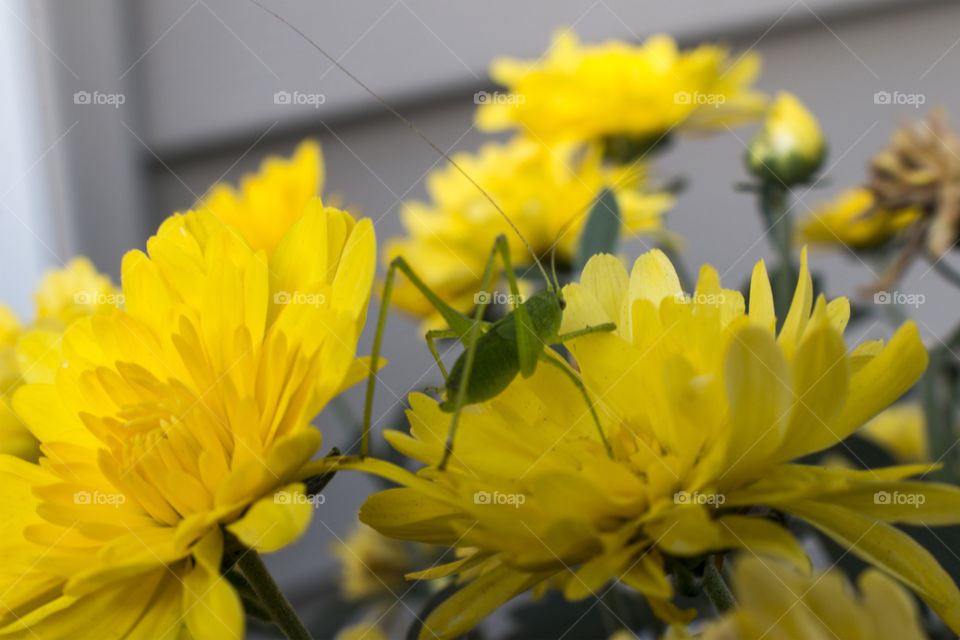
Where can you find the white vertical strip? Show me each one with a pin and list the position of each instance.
(27, 241)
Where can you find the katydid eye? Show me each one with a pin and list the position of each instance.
(563, 304)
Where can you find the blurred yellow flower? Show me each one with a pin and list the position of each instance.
(362, 631)
(371, 564)
(775, 602)
(789, 148)
(547, 192)
(268, 202)
(74, 291)
(704, 406)
(63, 295)
(15, 438)
(185, 415)
(853, 219)
(902, 431)
(617, 90)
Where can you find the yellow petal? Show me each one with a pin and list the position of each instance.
(467, 607)
(763, 536)
(882, 380)
(653, 278)
(760, 396)
(820, 377)
(799, 314)
(273, 522)
(41, 408)
(761, 298)
(605, 277)
(889, 549)
(211, 607)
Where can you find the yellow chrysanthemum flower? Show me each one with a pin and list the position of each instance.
(268, 202)
(185, 414)
(789, 148)
(704, 405)
(902, 431)
(74, 291)
(775, 602)
(371, 564)
(852, 219)
(547, 192)
(64, 294)
(618, 90)
(15, 438)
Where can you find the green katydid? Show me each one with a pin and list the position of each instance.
(494, 352)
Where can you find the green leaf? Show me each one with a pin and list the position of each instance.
(602, 231)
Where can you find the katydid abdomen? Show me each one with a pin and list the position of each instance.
(495, 366)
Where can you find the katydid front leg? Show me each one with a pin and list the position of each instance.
(439, 334)
(473, 335)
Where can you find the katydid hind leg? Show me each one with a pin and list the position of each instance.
(471, 351)
(375, 359)
(529, 344)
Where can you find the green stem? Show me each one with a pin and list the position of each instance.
(716, 589)
(773, 204)
(273, 601)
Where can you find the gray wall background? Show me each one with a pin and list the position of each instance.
(199, 76)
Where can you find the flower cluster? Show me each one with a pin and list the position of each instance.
(632, 433)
